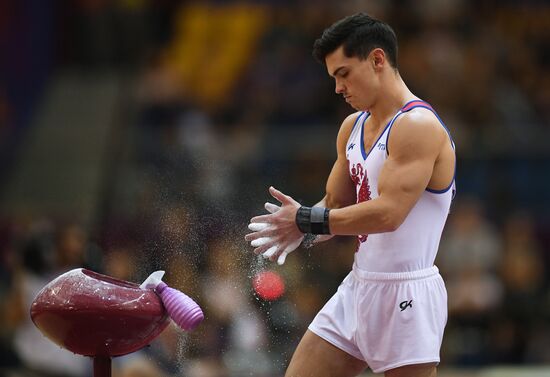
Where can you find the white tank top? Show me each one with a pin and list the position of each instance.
(413, 246)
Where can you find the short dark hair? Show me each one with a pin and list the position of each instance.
(359, 34)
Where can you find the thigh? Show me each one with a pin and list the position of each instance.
(418, 370)
(315, 357)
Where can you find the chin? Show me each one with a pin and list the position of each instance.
(363, 107)
(359, 108)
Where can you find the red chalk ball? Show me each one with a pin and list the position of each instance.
(268, 285)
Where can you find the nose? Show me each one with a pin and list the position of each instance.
(340, 88)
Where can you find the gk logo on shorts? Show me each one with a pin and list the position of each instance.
(405, 304)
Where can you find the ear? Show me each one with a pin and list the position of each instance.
(378, 58)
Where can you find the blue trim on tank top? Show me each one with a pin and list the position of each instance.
(363, 152)
(438, 118)
(366, 155)
(357, 121)
(353, 129)
(442, 191)
(453, 181)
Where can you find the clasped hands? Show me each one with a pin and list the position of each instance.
(275, 235)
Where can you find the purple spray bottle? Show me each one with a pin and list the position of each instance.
(185, 312)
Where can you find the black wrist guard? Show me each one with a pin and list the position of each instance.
(313, 220)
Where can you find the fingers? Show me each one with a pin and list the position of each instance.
(271, 208)
(260, 219)
(261, 231)
(265, 237)
(284, 199)
(282, 258)
(260, 241)
(256, 227)
(271, 252)
(259, 223)
(267, 234)
(265, 247)
(289, 249)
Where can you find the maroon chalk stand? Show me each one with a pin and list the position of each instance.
(98, 316)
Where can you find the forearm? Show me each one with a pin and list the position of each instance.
(373, 216)
(332, 200)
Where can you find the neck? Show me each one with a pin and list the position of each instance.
(393, 95)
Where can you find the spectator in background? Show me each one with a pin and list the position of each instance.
(469, 257)
(137, 367)
(237, 329)
(522, 266)
(517, 336)
(42, 260)
(11, 299)
(471, 249)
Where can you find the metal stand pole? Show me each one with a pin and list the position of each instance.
(102, 366)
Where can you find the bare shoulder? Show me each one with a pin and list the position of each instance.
(349, 122)
(346, 128)
(417, 130)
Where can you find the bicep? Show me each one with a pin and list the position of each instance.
(409, 167)
(402, 181)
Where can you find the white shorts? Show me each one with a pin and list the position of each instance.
(387, 320)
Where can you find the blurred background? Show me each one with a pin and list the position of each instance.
(138, 135)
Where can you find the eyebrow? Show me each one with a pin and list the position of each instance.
(337, 70)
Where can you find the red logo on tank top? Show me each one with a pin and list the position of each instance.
(359, 177)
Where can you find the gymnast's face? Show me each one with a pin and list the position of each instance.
(356, 80)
